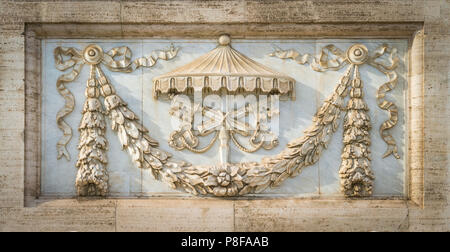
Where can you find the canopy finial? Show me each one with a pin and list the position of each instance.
(224, 40)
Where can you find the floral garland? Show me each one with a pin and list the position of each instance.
(223, 179)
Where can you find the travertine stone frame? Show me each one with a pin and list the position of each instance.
(424, 23)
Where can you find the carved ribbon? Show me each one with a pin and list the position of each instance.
(185, 137)
(127, 66)
(384, 104)
(321, 63)
(77, 61)
(324, 62)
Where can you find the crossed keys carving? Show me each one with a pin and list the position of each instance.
(225, 125)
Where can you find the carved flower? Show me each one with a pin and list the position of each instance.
(225, 180)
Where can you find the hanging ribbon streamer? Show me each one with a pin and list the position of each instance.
(76, 63)
(384, 104)
(393, 114)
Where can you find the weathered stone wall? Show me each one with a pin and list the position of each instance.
(427, 209)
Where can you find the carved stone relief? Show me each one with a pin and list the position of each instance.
(92, 176)
(356, 175)
(225, 71)
(234, 73)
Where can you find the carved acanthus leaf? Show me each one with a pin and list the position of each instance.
(75, 63)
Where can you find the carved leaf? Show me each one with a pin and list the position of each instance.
(262, 187)
(123, 138)
(280, 179)
(127, 113)
(131, 129)
(153, 162)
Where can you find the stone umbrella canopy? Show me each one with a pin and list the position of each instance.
(224, 68)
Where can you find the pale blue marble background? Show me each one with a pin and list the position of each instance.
(322, 179)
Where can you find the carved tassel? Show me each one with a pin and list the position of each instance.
(355, 172)
(92, 176)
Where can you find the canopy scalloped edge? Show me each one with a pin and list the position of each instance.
(232, 84)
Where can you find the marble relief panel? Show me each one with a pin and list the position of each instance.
(136, 88)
